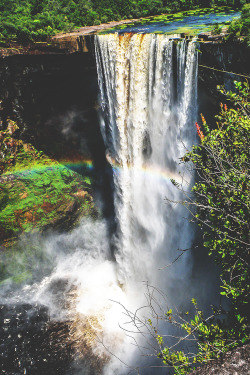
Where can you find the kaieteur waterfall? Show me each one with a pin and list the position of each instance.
(148, 96)
(148, 86)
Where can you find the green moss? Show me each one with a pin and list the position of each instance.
(87, 180)
(37, 192)
(185, 30)
(122, 27)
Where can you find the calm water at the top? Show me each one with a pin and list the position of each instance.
(192, 23)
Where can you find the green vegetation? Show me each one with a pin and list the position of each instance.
(36, 192)
(222, 202)
(216, 29)
(36, 20)
(241, 27)
(174, 17)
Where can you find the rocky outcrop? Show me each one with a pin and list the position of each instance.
(53, 99)
(218, 61)
(37, 193)
(236, 362)
(31, 343)
(40, 346)
(81, 40)
(221, 64)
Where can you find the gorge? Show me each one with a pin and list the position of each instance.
(84, 283)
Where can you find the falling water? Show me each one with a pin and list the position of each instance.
(148, 95)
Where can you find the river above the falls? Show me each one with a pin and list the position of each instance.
(192, 22)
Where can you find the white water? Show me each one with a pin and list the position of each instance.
(146, 131)
(148, 94)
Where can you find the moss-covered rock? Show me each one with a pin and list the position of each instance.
(37, 193)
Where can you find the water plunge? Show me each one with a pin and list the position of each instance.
(147, 127)
(148, 100)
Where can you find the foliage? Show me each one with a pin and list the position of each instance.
(214, 336)
(222, 162)
(216, 29)
(37, 192)
(222, 202)
(32, 20)
(241, 26)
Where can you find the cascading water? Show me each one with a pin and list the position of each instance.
(148, 95)
(147, 126)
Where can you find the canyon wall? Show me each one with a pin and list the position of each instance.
(53, 97)
(56, 93)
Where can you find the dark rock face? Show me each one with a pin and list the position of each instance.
(236, 362)
(53, 99)
(230, 57)
(31, 344)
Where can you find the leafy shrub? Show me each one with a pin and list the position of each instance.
(216, 29)
(222, 201)
(241, 27)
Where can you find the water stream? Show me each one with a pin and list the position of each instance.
(193, 23)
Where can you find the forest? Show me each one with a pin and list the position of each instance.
(34, 20)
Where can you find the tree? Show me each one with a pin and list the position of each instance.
(222, 201)
(241, 27)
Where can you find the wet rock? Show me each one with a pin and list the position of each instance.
(236, 362)
(30, 343)
(147, 148)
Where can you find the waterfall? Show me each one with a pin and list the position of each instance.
(148, 95)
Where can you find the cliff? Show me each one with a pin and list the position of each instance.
(56, 146)
(50, 91)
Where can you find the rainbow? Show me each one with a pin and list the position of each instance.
(77, 163)
(39, 167)
(152, 171)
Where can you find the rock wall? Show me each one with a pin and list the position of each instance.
(230, 57)
(53, 99)
(53, 96)
(219, 57)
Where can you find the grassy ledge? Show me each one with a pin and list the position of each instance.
(37, 193)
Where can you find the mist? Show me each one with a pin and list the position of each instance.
(100, 286)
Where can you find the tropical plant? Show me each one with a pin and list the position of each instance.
(220, 203)
(241, 26)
